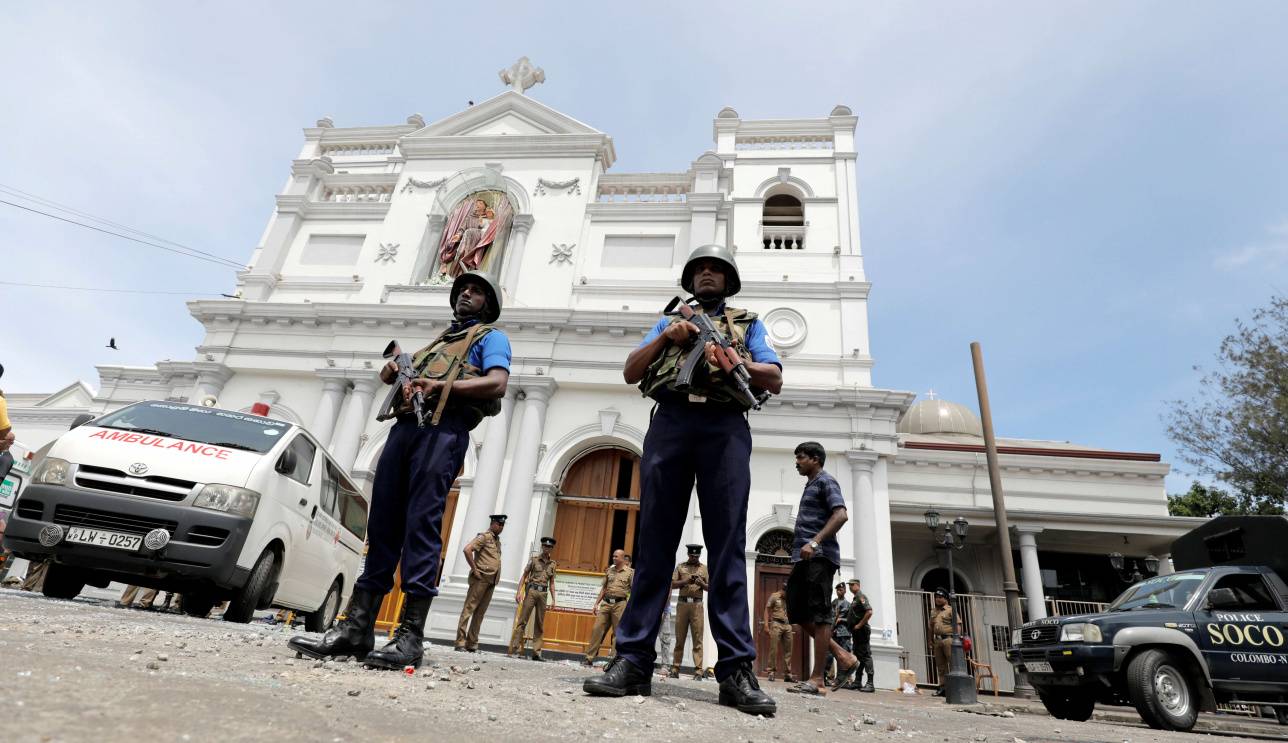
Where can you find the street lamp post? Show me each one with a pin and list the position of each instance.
(959, 687)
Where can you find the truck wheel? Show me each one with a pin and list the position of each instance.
(62, 582)
(198, 604)
(1074, 704)
(320, 620)
(242, 605)
(1161, 692)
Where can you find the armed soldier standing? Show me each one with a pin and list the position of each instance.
(483, 553)
(860, 623)
(463, 374)
(698, 431)
(692, 579)
(539, 580)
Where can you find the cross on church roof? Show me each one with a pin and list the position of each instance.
(931, 395)
(522, 75)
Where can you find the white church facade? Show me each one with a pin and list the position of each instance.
(353, 256)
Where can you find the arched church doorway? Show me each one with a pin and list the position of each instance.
(773, 565)
(597, 512)
(938, 578)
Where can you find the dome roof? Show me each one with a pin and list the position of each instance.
(940, 416)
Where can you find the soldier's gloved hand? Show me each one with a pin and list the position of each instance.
(680, 332)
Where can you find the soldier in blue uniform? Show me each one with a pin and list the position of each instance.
(462, 375)
(700, 435)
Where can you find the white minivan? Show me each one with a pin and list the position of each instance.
(214, 504)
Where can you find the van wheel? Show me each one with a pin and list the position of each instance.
(62, 582)
(242, 605)
(1161, 691)
(1281, 715)
(320, 620)
(198, 604)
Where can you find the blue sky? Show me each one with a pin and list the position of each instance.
(1092, 190)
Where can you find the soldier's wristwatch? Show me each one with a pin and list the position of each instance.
(813, 545)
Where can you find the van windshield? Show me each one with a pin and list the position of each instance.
(1160, 592)
(194, 423)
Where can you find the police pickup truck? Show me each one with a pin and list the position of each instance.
(1214, 632)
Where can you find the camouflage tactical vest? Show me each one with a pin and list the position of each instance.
(435, 361)
(708, 382)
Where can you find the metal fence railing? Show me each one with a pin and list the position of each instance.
(984, 620)
(1064, 608)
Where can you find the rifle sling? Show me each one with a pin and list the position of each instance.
(453, 374)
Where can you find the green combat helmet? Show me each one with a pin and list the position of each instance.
(714, 252)
(493, 291)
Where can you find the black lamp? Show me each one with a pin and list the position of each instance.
(932, 519)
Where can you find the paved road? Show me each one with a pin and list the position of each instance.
(82, 671)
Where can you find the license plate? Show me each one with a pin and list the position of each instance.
(1038, 667)
(111, 539)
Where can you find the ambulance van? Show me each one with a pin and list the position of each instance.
(214, 504)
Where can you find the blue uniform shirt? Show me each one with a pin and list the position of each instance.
(757, 340)
(493, 352)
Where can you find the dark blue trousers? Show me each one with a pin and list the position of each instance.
(414, 475)
(687, 442)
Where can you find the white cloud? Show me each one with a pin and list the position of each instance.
(1269, 252)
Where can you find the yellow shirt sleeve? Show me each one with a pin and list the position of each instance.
(4, 414)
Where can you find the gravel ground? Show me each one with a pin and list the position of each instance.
(82, 671)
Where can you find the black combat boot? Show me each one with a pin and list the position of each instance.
(354, 635)
(405, 648)
(742, 691)
(620, 678)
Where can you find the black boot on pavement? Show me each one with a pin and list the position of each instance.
(742, 691)
(354, 635)
(406, 647)
(620, 678)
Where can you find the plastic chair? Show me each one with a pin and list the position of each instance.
(983, 671)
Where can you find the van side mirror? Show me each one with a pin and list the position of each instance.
(80, 420)
(1222, 598)
(287, 462)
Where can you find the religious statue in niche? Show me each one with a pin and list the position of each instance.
(475, 234)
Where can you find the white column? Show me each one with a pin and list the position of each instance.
(487, 478)
(1165, 566)
(333, 389)
(1032, 571)
(211, 378)
(874, 559)
(345, 443)
(537, 392)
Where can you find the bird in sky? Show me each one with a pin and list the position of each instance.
(111, 343)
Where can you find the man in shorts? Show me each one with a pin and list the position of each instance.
(816, 556)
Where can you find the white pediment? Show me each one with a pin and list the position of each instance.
(510, 114)
(74, 395)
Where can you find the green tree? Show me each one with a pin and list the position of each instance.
(1236, 429)
(1206, 502)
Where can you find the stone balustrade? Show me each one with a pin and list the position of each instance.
(666, 188)
(358, 194)
(783, 238)
(358, 149)
(784, 142)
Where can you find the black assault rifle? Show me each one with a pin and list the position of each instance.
(394, 402)
(727, 357)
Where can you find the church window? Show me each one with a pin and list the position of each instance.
(782, 223)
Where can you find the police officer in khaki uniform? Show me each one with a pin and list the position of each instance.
(539, 581)
(611, 603)
(941, 630)
(483, 553)
(781, 634)
(692, 579)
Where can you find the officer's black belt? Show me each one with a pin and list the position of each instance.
(611, 600)
(535, 587)
(690, 599)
